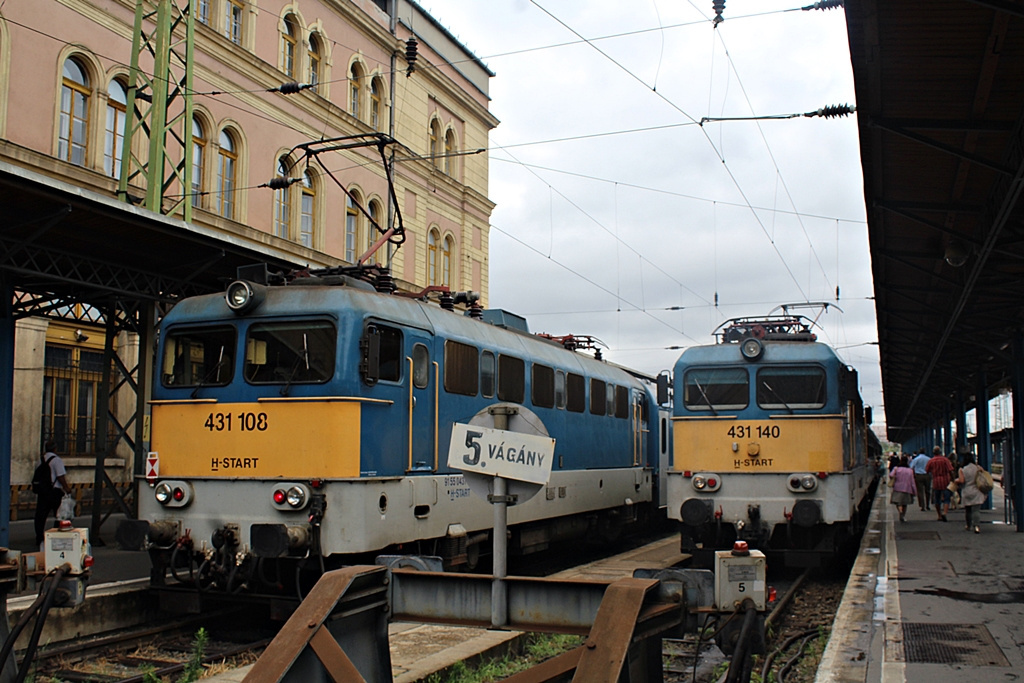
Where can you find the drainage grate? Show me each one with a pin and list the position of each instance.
(970, 644)
(917, 535)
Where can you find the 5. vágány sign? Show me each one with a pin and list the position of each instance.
(498, 453)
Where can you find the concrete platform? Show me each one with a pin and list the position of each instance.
(932, 602)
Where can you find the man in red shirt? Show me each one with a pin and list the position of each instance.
(942, 473)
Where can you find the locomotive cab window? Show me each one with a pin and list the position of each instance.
(543, 390)
(621, 402)
(420, 366)
(511, 378)
(382, 354)
(294, 352)
(791, 387)
(716, 389)
(560, 389)
(198, 357)
(461, 370)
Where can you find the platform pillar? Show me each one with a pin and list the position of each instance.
(1015, 467)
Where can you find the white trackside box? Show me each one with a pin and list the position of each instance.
(67, 545)
(739, 575)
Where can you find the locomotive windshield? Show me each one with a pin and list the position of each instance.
(716, 389)
(198, 357)
(295, 352)
(791, 387)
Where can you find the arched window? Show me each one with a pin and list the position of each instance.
(355, 87)
(449, 149)
(198, 161)
(282, 201)
(435, 141)
(371, 233)
(73, 138)
(289, 47)
(307, 223)
(351, 228)
(376, 88)
(117, 100)
(446, 262)
(226, 170)
(433, 237)
(315, 61)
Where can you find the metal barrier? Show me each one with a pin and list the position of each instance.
(339, 632)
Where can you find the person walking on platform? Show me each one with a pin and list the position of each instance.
(941, 471)
(971, 498)
(923, 479)
(904, 488)
(48, 501)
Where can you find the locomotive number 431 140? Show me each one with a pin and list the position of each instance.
(752, 431)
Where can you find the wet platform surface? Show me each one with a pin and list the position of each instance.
(932, 601)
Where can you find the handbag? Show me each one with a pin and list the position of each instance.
(983, 480)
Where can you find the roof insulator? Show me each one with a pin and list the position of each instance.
(825, 4)
(719, 7)
(411, 53)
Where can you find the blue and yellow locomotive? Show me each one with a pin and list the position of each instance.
(305, 423)
(772, 444)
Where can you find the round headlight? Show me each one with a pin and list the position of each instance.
(698, 482)
(239, 295)
(751, 348)
(163, 493)
(296, 497)
(808, 482)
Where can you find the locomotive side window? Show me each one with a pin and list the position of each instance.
(487, 374)
(198, 357)
(598, 397)
(461, 372)
(511, 378)
(295, 352)
(576, 393)
(420, 366)
(382, 354)
(609, 405)
(543, 390)
(560, 389)
(621, 402)
(716, 389)
(791, 387)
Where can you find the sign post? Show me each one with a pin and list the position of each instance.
(501, 455)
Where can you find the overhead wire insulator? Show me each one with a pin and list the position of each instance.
(281, 183)
(719, 7)
(833, 111)
(291, 88)
(825, 4)
(411, 53)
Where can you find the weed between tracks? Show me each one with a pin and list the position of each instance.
(539, 647)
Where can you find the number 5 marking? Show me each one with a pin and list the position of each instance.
(474, 457)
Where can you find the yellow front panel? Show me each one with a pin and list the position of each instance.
(777, 445)
(300, 439)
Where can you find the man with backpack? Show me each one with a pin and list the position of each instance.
(50, 484)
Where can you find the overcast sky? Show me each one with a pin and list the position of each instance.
(615, 205)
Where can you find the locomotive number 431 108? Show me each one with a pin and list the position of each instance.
(752, 431)
(243, 422)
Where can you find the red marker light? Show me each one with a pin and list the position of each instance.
(65, 525)
(712, 482)
(87, 561)
(822, 475)
(279, 496)
(179, 494)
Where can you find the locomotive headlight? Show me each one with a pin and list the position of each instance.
(808, 482)
(163, 493)
(699, 482)
(243, 296)
(751, 348)
(296, 497)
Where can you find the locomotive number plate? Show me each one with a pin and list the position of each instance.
(761, 431)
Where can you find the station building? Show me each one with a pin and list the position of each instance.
(365, 66)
